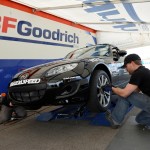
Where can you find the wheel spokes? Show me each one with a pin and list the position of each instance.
(103, 96)
(102, 80)
(104, 99)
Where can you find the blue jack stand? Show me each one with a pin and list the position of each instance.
(75, 112)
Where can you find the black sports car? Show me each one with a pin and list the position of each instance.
(78, 78)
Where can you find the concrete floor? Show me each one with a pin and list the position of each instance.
(30, 134)
(131, 137)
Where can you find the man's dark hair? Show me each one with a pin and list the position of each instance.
(138, 62)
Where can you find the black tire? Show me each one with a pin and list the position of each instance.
(98, 99)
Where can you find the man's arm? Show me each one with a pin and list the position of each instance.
(126, 91)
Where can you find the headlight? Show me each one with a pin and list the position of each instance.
(61, 69)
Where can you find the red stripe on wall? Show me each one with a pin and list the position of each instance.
(27, 9)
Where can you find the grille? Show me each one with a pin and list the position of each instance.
(31, 96)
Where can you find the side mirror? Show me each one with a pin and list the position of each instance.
(122, 53)
(115, 56)
(115, 59)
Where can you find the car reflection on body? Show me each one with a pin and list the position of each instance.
(77, 79)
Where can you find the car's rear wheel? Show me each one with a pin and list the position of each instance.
(99, 99)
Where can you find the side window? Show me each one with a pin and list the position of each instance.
(102, 50)
(105, 51)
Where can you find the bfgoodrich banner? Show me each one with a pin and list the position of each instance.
(28, 36)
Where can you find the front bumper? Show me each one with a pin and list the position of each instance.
(67, 91)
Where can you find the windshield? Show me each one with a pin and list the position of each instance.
(92, 51)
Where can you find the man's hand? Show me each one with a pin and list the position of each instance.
(10, 104)
(107, 88)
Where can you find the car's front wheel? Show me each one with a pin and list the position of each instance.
(99, 99)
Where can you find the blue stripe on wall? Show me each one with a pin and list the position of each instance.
(33, 41)
(9, 67)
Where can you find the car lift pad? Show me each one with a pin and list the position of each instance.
(77, 112)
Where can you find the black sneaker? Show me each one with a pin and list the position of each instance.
(143, 127)
(147, 127)
(113, 123)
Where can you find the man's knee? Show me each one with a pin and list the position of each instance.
(20, 111)
(4, 118)
(5, 114)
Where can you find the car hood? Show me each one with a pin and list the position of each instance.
(36, 71)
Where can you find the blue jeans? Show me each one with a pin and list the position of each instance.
(139, 100)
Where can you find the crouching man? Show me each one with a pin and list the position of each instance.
(8, 110)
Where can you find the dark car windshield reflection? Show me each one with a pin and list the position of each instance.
(94, 51)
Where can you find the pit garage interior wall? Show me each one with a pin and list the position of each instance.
(29, 38)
